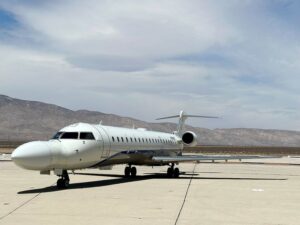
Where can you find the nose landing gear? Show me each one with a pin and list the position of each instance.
(64, 181)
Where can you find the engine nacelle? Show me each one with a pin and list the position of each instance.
(189, 138)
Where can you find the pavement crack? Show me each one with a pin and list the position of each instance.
(185, 196)
(20, 206)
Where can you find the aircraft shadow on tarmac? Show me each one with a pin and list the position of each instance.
(120, 179)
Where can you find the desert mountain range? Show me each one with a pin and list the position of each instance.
(32, 120)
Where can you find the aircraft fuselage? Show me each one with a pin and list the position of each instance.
(85, 145)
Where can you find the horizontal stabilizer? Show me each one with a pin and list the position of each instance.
(182, 117)
(196, 116)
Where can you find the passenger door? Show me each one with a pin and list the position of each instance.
(103, 143)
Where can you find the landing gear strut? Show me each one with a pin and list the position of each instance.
(171, 172)
(64, 181)
(130, 171)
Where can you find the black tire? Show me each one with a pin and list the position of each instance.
(127, 171)
(176, 173)
(66, 183)
(170, 172)
(60, 183)
(133, 171)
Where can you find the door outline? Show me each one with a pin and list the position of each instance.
(105, 150)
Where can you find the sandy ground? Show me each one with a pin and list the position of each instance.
(6, 150)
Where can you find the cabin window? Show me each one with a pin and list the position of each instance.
(130, 139)
(135, 139)
(126, 139)
(118, 139)
(122, 139)
(69, 135)
(139, 140)
(87, 136)
(113, 139)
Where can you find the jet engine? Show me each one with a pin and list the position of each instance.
(189, 138)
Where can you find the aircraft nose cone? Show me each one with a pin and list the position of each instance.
(33, 155)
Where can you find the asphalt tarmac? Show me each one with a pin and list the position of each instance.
(260, 194)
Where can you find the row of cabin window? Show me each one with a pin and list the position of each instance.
(146, 140)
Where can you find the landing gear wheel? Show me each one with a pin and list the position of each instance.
(133, 171)
(60, 183)
(64, 181)
(176, 173)
(127, 171)
(170, 172)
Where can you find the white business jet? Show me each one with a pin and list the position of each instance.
(83, 145)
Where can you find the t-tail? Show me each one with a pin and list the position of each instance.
(188, 137)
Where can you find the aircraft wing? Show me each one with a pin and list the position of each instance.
(145, 157)
(127, 157)
(198, 158)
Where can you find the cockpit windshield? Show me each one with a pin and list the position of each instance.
(74, 135)
(69, 135)
(86, 136)
(57, 135)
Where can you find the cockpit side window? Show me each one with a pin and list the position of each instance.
(69, 135)
(57, 135)
(87, 136)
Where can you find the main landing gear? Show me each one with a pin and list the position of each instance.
(64, 181)
(130, 171)
(173, 172)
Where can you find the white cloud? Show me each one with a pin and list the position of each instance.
(238, 60)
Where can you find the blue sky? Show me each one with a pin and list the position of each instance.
(234, 59)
